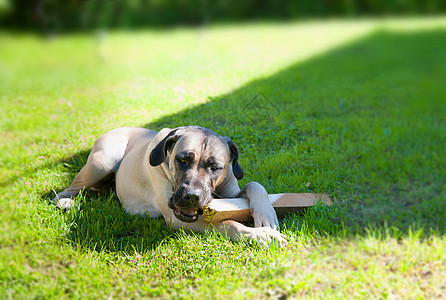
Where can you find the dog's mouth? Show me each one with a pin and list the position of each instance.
(188, 215)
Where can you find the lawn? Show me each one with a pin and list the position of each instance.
(360, 114)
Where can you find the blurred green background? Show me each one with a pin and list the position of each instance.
(55, 15)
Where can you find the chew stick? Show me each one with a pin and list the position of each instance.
(237, 209)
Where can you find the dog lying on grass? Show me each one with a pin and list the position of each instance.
(174, 173)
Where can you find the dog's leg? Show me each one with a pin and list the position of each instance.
(234, 230)
(263, 235)
(261, 209)
(104, 159)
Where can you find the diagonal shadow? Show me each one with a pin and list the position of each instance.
(353, 123)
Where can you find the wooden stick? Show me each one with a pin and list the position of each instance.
(237, 209)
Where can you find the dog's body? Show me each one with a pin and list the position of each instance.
(174, 173)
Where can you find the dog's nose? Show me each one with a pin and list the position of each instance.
(191, 196)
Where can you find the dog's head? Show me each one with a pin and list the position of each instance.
(198, 160)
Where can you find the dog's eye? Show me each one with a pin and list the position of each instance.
(182, 161)
(215, 168)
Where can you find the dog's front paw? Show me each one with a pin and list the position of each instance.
(265, 215)
(261, 208)
(64, 203)
(267, 236)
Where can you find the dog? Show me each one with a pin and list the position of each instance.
(174, 173)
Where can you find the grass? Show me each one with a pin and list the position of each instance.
(361, 117)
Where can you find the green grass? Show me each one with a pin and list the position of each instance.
(362, 108)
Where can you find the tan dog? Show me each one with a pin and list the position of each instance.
(174, 173)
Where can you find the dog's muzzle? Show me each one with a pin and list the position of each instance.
(189, 215)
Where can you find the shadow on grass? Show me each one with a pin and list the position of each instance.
(99, 223)
(363, 123)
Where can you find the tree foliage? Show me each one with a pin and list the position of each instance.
(58, 15)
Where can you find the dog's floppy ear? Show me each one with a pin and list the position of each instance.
(233, 149)
(159, 153)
